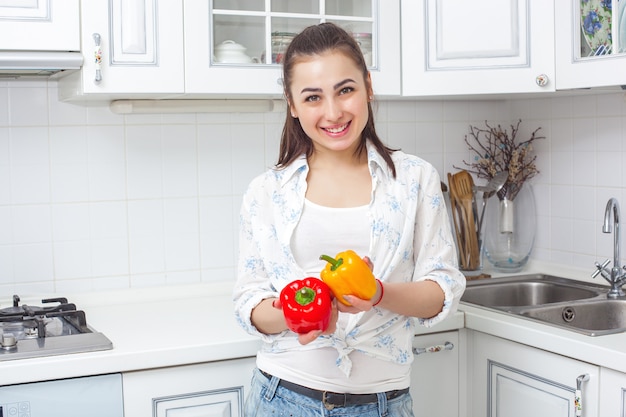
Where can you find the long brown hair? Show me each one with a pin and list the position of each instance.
(317, 40)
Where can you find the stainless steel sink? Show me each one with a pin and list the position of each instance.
(527, 290)
(569, 304)
(593, 318)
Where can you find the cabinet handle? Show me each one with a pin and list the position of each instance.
(542, 80)
(433, 349)
(578, 399)
(97, 55)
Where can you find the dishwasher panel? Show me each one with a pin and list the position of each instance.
(93, 396)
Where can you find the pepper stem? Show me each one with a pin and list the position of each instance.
(305, 296)
(336, 263)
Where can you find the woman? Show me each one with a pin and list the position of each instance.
(336, 186)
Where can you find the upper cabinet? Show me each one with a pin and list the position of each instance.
(456, 47)
(237, 47)
(131, 49)
(142, 49)
(233, 49)
(591, 43)
(51, 25)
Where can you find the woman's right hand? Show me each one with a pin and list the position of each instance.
(306, 338)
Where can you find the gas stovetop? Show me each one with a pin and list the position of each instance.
(57, 328)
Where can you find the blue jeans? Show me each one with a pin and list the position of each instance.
(266, 398)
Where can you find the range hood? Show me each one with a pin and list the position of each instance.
(15, 64)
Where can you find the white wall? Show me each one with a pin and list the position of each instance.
(90, 200)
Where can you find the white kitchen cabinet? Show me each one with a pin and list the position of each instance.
(458, 47)
(141, 50)
(215, 389)
(251, 23)
(52, 25)
(588, 48)
(612, 393)
(147, 52)
(509, 379)
(435, 374)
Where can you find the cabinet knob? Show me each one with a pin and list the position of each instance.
(542, 80)
(97, 55)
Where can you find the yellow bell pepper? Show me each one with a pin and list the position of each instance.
(348, 274)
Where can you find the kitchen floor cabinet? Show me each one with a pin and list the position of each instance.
(612, 393)
(216, 389)
(260, 31)
(478, 47)
(435, 374)
(52, 25)
(590, 51)
(131, 49)
(509, 379)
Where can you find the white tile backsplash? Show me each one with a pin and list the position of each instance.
(28, 106)
(91, 200)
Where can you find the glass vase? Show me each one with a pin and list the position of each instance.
(510, 228)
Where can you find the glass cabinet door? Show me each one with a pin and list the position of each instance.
(236, 47)
(243, 32)
(591, 43)
(602, 28)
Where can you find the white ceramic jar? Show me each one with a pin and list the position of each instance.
(230, 52)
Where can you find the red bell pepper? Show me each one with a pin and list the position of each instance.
(306, 305)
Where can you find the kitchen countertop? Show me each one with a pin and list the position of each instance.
(169, 326)
(189, 324)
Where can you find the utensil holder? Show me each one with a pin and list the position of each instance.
(470, 258)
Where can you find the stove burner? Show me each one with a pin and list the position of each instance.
(25, 328)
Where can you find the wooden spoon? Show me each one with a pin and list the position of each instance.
(465, 191)
(455, 210)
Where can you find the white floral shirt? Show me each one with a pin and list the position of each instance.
(410, 241)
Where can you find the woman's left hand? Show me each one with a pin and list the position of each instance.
(358, 304)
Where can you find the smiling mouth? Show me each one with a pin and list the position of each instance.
(337, 129)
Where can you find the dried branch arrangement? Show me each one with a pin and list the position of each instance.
(496, 150)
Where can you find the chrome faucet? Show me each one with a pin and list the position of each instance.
(616, 277)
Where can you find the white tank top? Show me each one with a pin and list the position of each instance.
(328, 231)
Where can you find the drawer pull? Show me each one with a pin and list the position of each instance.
(433, 349)
(97, 56)
(578, 399)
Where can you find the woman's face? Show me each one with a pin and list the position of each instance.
(329, 96)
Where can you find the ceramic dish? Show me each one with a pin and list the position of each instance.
(595, 20)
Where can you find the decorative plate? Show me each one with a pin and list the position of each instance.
(595, 19)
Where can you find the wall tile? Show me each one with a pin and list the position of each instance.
(180, 171)
(28, 106)
(71, 222)
(609, 134)
(144, 161)
(68, 164)
(5, 167)
(106, 162)
(146, 236)
(402, 135)
(398, 111)
(215, 156)
(31, 224)
(4, 106)
(91, 200)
